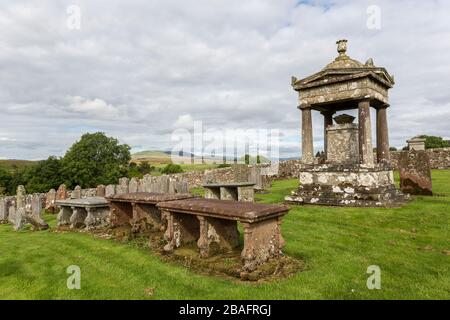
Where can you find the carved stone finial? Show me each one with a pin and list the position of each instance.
(341, 46)
(369, 62)
(293, 80)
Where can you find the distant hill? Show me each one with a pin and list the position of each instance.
(12, 163)
(151, 156)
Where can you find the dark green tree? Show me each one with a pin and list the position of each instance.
(435, 142)
(5, 180)
(144, 168)
(171, 168)
(45, 176)
(247, 159)
(95, 159)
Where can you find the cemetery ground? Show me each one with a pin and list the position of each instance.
(410, 244)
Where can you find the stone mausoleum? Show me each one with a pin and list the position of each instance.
(351, 174)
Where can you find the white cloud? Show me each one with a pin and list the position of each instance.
(141, 70)
(92, 107)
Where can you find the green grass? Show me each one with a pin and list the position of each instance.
(410, 244)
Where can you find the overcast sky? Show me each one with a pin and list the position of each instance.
(140, 69)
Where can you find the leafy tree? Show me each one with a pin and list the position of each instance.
(5, 180)
(434, 142)
(45, 176)
(145, 168)
(258, 159)
(247, 159)
(172, 168)
(392, 149)
(95, 159)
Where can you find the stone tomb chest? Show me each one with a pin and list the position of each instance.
(91, 212)
(138, 210)
(212, 225)
(238, 191)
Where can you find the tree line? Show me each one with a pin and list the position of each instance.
(93, 160)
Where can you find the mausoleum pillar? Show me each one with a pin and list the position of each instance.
(382, 135)
(365, 134)
(307, 137)
(327, 121)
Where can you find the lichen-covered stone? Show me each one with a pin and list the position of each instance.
(415, 173)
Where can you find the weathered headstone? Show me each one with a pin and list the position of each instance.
(21, 197)
(61, 193)
(3, 210)
(241, 172)
(164, 183)
(50, 201)
(172, 185)
(36, 205)
(100, 191)
(76, 193)
(415, 172)
(122, 187)
(110, 190)
(28, 212)
(133, 185)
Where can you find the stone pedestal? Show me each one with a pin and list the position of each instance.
(262, 241)
(146, 217)
(342, 143)
(63, 217)
(216, 236)
(77, 218)
(181, 229)
(347, 185)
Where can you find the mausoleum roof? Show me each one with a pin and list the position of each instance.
(344, 68)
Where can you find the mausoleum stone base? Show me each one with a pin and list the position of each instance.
(347, 185)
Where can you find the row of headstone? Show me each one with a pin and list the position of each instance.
(256, 174)
(27, 209)
(156, 184)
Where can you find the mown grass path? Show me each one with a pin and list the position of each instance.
(410, 244)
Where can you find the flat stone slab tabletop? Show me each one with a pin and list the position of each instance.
(228, 184)
(92, 202)
(139, 209)
(147, 197)
(226, 209)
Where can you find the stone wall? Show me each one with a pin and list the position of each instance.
(439, 158)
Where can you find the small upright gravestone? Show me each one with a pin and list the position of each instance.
(61, 193)
(133, 185)
(122, 187)
(100, 191)
(110, 190)
(3, 210)
(76, 193)
(27, 212)
(415, 172)
(50, 201)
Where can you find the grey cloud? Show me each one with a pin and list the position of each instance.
(137, 67)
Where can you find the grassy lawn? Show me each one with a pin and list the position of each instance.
(410, 244)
